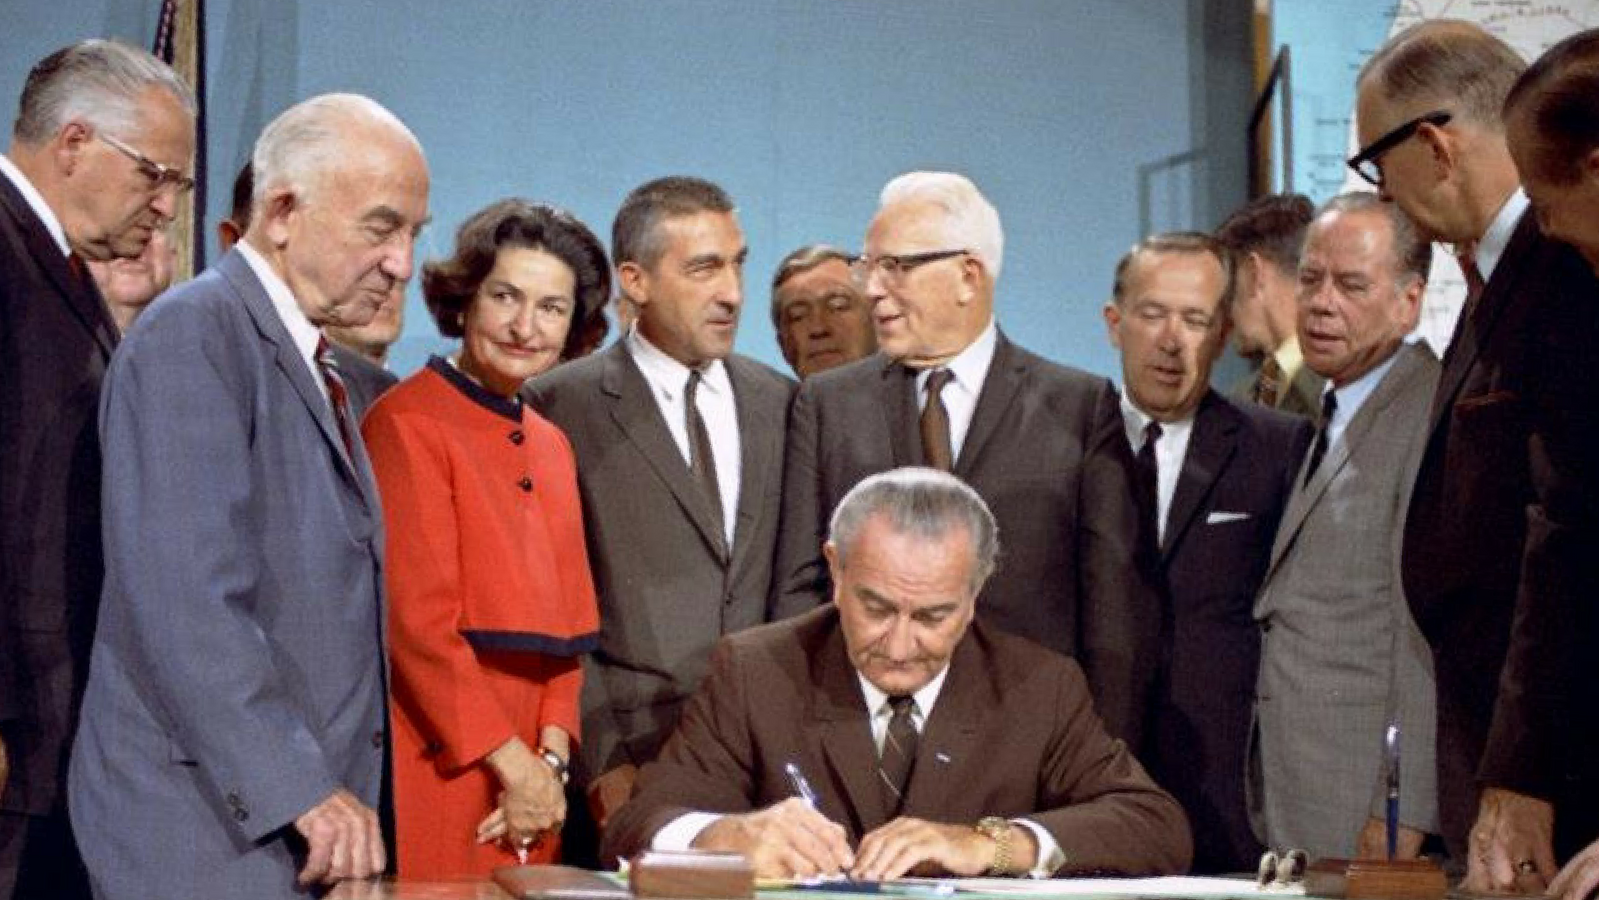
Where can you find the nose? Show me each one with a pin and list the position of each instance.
(398, 262)
(165, 202)
(522, 324)
(819, 324)
(1167, 339)
(899, 644)
(732, 289)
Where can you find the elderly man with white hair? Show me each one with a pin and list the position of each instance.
(1041, 443)
(232, 735)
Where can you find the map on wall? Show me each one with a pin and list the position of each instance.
(1330, 42)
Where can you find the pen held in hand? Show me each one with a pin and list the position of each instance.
(802, 787)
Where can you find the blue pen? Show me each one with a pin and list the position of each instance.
(1390, 744)
(801, 786)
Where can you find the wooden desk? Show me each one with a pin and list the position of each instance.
(390, 889)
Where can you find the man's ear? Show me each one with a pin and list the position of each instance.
(1113, 321)
(633, 282)
(834, 567)
(69, 144)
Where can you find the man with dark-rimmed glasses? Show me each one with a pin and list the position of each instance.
(1040, 442)
(1498, 558)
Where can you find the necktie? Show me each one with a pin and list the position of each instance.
(1269, 385)
(1466, 255)
(935, 423)
(701, 460)
(899, 752)
(337, 395)
(1329, 405)
(1148, 473)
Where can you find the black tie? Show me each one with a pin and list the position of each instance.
(701, 460)
(899, 752)
(1148, 471)
(935, 423)
(1329, 405)
(337, 395)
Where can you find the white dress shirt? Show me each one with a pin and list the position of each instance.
(36, 203)
(969, 369)
(1170, 451)
(304, 333)
(668, 380)
(1492, 244)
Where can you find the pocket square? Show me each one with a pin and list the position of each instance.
(1217, 518)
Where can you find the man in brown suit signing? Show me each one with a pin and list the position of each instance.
(887, 732)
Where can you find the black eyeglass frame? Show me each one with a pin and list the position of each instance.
(1372, 152)
(895, 265)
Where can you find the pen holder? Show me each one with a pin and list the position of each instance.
(1368, 879)
(691, 874)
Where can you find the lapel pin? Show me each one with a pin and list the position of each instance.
(941, 757)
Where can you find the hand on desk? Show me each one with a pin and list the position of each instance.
(785, 840)
(906, 844)
(344, 840)
(608, 792)
(1373, 841)
(1512, 844)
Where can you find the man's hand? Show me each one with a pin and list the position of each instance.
(1580, 877)
(1512, 844)
(785, 840)
(1373, 841)
(608, 792)
(344, 840)
(905, 844)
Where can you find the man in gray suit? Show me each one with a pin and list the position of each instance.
(232, 735)
(679, 445)
(1341, 659)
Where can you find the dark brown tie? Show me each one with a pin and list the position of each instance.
(337, 395)
(701, 460)
(1466, 255)
(1148, 472)
(899, 752)
(935, 423)
(1269, 385)
(1329, 405)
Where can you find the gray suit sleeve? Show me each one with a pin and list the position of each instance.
(800, 578)
(179, 480)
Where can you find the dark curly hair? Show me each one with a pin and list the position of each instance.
(449, 285)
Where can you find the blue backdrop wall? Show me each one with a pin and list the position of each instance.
(1087, 122)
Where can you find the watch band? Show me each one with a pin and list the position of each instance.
(559, 765)
(1000, 832)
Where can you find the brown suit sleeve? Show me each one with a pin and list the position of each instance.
(1099, 803)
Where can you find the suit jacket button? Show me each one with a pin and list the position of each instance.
(517, 437)
(377, 739)
(526, 484)
(240, 815)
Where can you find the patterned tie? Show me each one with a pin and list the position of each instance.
(899, 752)
(935, 423)
(1269, 384)
(1148, 474)
(701, 460)
(1329, 405)
(337, 395)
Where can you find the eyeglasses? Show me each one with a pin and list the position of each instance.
(895, 265)
(1368, 162)
(161, 177)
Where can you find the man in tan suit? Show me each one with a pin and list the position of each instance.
(887, 730)
(1341, 659)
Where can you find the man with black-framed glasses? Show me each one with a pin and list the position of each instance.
(1498, 558)
(68, 194)
(1040, 442)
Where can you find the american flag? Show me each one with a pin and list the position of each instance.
(162, 48)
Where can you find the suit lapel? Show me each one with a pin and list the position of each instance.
(636, 413)
(1001, 385)
(898, 398)
(760, 439)
(1210, 447)
(82, 297)
(1472, 334)
(840, 716)
(949, 741)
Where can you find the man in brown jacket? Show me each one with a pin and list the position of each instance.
(887, 732)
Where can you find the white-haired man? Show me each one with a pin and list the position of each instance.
(1040, 442)
(232, 736)
(103, 140)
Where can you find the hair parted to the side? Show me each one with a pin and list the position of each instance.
(1446, 64)
(923, 503)
(100, 82)
(972, 221)
(636, 232)
(1412, 253)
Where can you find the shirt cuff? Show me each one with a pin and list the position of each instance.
(679, 834)
(1050, 856)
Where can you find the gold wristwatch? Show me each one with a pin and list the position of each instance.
(555, 762)
(999, 830)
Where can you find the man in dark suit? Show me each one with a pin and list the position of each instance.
(1212, 476)
(1499, 561)
(1265, 235)
(679, 445)
(104, 134)
(232, 736)
(1040, 442)
(912, 736)
(365, 377)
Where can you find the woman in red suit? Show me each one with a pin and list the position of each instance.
(490, 598)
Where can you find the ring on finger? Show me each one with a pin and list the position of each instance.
(1526, 867)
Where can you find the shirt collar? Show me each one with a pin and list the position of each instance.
(1353, 395)
(1290, 358)
(970, 366)
(1136, 421)
(301, 329)
(925, 698)
(1493, 242)
(37, 203)
(668, 375)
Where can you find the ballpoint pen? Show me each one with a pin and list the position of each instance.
(1390, 746)
(801, 786)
